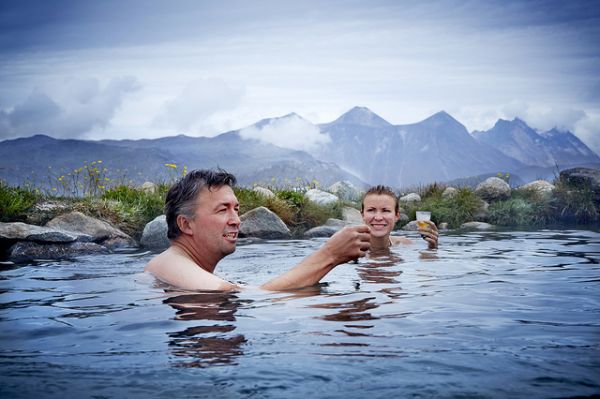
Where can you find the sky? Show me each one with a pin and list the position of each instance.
(146, 68)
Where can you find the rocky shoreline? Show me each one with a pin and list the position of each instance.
(73, 233)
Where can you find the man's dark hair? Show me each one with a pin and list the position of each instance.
(381, 190)
(183, 195)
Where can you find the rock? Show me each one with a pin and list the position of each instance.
(403, 218)
(27, 251)
(154, 235)
(99, 230)
(409, 198)
(449, 192)
(583, 177)
(262, 223)
(321, 231)
(351, 215)
(44, 211)
(345, 190)
(27, 232)
(149, 188)
(331, 222)
(493, 189)
(476, 226)
(482, 212)
(410, 226)
(321, 197)
(265, 192)
(539, 186)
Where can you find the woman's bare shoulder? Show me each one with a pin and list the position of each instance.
(396, 240)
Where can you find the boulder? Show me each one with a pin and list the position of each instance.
(476, 226)
(321, 197)
(18, 231)
(410, 226)
(42, 212)
(345, 190)
(539, 186)
(332, 222)
(493, 189)
(410, 198)
(482, 212)
(403, 218)
(262, 223)
(149, 188)
(154, 235)
(27, 251)
(99, 230)
(449, 192)
(351, 215)
(321, 231)
(265, 192)
(583, 177)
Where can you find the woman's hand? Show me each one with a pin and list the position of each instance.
(430, 234)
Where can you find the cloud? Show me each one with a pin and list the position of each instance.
(199, 101)
(67, 109)
(290, 131)
(543, 117)
(587, 131)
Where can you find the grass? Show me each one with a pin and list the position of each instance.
(15, 202)
(454, 210)
(131, 208)
(291, 206)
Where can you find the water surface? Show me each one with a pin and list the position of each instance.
(493, 314)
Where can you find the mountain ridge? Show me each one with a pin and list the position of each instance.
(364, 148)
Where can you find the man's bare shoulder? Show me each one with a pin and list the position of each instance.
(176, 269)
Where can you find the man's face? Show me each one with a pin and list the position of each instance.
(379, 214)
(216, 222)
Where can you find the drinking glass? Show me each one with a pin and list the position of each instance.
(422, 217)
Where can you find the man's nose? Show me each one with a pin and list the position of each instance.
(234, 218)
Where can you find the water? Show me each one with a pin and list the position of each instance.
(497, 314)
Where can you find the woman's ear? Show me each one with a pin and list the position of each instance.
(184, 224)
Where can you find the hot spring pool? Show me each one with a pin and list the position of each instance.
(495, 314)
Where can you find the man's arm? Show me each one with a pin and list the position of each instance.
(345, 245)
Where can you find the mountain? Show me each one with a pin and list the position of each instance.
(567, 149)
(516, 139)
(359, 146)
(40, 160)
(438, 148)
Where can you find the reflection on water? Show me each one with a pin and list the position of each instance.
(206, 344)
(489, 314)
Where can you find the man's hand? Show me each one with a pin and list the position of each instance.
(348, 244)
(430, 234)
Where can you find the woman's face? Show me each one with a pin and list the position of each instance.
(379, 213)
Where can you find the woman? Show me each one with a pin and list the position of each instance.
(380, 211)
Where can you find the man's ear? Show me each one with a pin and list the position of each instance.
(183, 222)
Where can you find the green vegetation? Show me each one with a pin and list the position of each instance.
(87, 190)
(15, 201)
(291, 206)
(453, 210)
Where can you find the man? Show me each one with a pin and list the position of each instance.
(203, 224)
